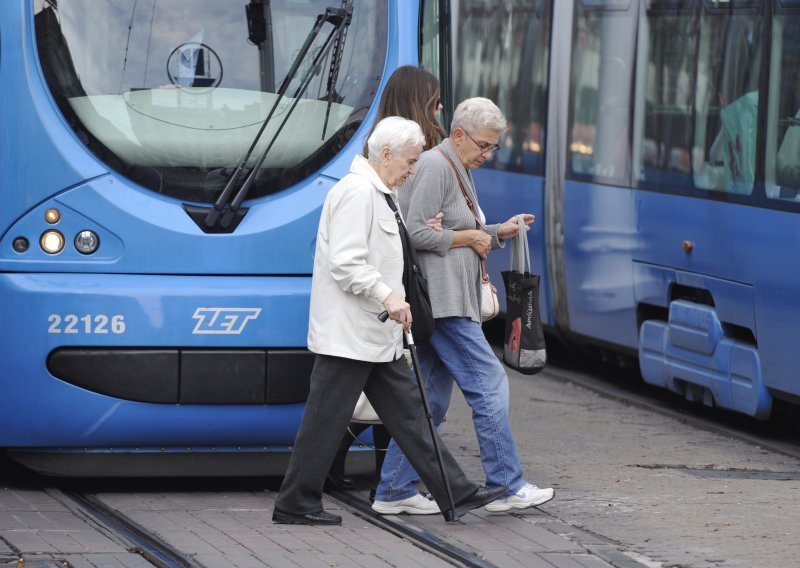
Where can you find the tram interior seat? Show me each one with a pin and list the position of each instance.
(731, 158)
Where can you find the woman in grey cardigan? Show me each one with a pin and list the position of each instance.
(451, 260)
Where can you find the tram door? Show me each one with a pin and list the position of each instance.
(599, 206)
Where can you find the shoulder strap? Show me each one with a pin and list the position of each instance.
(471, 206)
(393, 207)
(460, 183)
(409, 256)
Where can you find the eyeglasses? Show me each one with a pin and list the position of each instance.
(484, 147)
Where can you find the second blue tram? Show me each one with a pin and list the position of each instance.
(658, 144)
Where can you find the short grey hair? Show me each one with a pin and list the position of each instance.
(394, 133)
(476, 113)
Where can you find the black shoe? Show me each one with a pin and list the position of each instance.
(321, 518)
(345, 483)
(482, 496)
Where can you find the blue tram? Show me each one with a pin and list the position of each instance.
(163, 165)
(658, 144)
(162, 171)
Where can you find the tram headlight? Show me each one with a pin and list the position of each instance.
(52, 242)
(20, 244)
(86, 242)
(52, 216)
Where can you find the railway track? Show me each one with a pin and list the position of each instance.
(122, 529)
(397, 525)
(622, 385)
(161, 554)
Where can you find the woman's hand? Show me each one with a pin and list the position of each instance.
(510, 228)
(436, 222)
(399, 310)
(480, 241)
(477, 240)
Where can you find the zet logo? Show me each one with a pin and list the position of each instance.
(225, 321)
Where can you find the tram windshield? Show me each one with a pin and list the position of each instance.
(172, 94)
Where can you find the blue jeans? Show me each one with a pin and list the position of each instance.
(458, 351)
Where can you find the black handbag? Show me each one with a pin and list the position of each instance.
(415, 284)
(524, 349)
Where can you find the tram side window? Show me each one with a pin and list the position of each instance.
(430, 38)
(501, 52)
(666, 145)
(726, 98)
(604, 43)
(783, 138)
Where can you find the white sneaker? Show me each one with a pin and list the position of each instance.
(416, 505)
(528, 496)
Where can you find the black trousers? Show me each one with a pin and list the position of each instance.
(335, 386)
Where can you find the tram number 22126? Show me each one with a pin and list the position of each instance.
(87, 324)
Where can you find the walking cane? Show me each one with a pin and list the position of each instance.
(450, 513)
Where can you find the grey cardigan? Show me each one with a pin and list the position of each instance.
(454, 274)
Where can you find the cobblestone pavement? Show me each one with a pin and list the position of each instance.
(233, 529)
(675, 495)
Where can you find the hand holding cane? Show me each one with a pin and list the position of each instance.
(450, 513)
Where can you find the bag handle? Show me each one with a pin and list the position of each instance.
(402, 226)
(520, 252)
(470, 204)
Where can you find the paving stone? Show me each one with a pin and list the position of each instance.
(558, 560)
(127, 560)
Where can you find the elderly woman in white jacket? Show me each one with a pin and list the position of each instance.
(358, 268)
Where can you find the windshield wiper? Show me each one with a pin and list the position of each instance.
(336, 64)
(340, 18)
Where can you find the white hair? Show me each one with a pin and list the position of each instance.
(477, 113)
(394, 133)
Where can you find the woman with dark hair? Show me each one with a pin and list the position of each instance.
(413, 93)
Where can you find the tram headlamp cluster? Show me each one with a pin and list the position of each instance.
(52, 242)
(86, 242)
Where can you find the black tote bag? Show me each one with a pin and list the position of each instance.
(415, 284)
(524, 347)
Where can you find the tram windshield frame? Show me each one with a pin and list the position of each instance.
(171, 95)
